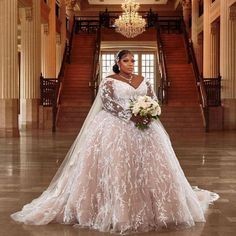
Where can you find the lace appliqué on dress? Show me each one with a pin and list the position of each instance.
(111, 103)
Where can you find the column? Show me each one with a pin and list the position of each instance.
(9, 80)
(215, 53)
(200, 52)
(207, 40)
(49, 44)
(59, 54)
(70, 13)
(44, 34)
(63, 26)
(228, 62)
(30, 65)
(194, 34)
(187, 13)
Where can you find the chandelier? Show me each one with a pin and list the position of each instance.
(130, 23)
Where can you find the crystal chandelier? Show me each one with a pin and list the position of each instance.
(130, 23)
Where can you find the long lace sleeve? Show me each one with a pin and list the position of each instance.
(110, 104)
(150, 91)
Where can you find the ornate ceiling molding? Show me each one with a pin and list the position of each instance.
(186, 3)
(118, 2)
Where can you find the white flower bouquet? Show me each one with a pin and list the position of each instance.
(147, 108)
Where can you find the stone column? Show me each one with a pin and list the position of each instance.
(228, 62)
(200, 52)
(70, 13)
(63, 26)
(194, 34)
(215, 46)
(186, 13)
(9, 78)
(30, 65)
(58, 54)
(44, 36)
(207, 40)
(49, 44)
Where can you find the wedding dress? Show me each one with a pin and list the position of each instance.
(117, 178)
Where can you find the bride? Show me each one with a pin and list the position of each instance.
(117, 178)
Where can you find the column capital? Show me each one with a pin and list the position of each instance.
(186, 4)
(232, 12)
(28, 13)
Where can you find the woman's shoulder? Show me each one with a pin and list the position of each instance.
(108, 80)
(112, 76)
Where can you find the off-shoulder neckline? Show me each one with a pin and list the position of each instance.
(126, 82)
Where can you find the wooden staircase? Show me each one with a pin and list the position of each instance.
(76, 98)
(182, 113)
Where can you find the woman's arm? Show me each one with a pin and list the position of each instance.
(150, 91)
(109, 103)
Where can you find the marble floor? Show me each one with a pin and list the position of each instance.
(28, 163)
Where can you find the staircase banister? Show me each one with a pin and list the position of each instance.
(194, 60)
(69, 44)
(203, 92)
(53, 86)
(213, 91)
(199, 77)
(186, 41)
(162, 63)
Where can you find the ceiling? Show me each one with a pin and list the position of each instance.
(94, 6)
(118, 2)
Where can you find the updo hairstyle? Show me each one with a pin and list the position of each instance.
(119, 56)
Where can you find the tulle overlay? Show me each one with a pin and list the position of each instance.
(122, 180)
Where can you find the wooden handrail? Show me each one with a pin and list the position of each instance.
(199, 79)
(50, 88)
(69, 44)
(209, 88)
(86, 25)
(213, 91)
(163, 89)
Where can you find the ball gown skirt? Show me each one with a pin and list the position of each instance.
(122, 180)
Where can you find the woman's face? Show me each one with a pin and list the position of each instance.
(126, 64)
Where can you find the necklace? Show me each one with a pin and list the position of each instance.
(127, 79)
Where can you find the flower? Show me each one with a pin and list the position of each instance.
(145, 106)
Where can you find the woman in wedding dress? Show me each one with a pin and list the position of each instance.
(117, 178)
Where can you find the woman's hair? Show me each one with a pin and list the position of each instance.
(119, 56)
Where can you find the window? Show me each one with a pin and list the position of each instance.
(148, 69)
(145, 64)
(107, 62)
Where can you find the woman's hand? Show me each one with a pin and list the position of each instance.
(141, 119)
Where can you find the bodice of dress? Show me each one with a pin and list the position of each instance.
(116, 96)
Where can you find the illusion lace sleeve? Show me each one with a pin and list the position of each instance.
(111, 104)
(150, 91)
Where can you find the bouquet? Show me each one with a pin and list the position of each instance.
(145, 107)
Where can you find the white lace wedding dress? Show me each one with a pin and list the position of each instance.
(118, 178)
